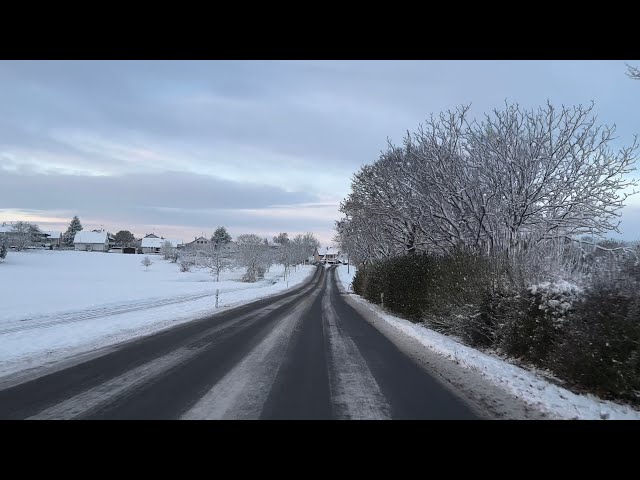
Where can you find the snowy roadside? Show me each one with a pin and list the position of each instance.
(49, 344)
(528, 387)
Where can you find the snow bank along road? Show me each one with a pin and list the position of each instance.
(303, 354)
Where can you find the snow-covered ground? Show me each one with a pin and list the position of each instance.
(58, 304)
(345, 274)
(554, 401)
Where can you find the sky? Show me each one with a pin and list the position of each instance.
(179, 148)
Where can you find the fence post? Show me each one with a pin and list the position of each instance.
(382, 300)
(217, 292)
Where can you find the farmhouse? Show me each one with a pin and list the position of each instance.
(91, 241)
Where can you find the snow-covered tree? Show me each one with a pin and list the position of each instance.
(504, 184)
(214, 258)
(124, 238)
(281, 238)
(253, 255)
(24, 235)
(302, 247)
(220, 237)
(146, 263)
(633, 72)
(284, 254)
(3, 247)
(168, 251)
(74, 227)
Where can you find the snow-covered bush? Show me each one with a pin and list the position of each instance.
(556, 299)
(601, 347)
(167, 250)
(146, 263)
(533, 321)
(186, 258)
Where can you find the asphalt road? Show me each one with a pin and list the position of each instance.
(305, 354)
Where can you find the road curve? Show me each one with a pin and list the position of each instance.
(304, 354)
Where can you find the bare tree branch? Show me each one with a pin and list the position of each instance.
(633, 72)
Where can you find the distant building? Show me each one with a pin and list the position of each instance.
(91, 241)
(199, 242)
(229, 247)
(53, 239)
(154, 244)
(327, 255)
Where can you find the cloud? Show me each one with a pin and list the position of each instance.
(124, 141)
(175, 199)
(166, 189)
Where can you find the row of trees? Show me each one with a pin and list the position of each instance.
(250, 251)
(506, 184)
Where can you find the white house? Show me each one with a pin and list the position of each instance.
(154, 244)
(91, 241)
(326, 255)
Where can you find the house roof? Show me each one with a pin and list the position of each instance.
(90, 237)
(52, 234)
(6, 228)
(328, 251)
(150, 242)
(200, 238)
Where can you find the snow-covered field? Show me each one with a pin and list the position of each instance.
(555, 401)
(58, 304)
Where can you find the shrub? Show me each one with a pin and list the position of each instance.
(532, 322)
(601, 347)
(359, 280)
(426, 284)
(588, 337)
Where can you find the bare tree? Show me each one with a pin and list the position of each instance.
(302, 247)
(501, 185)
(252, 255)
(214, 258)
(633, 72)
(168, 251)
(285, 252)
